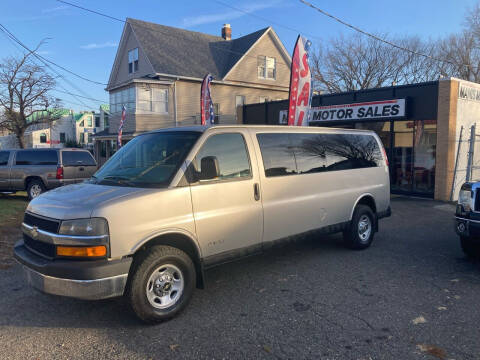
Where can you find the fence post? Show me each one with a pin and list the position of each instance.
(456, 163)
(470, 153)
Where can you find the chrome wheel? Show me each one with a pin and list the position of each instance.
(364, 228)
(35, 190)
(165, 286)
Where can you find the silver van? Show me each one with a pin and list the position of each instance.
(38, 170)
(172, 203)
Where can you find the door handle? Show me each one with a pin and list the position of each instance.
(256, 191)
(81, 169)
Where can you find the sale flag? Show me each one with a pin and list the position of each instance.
(300, 97)
(206, 103)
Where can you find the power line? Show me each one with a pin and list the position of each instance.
(14, 38)
(323, 12)
(268, 21)
(85, 97)
(158, 31)
(63, 68)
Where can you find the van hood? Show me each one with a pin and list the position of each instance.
(78, 200)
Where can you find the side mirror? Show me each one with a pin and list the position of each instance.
(209, 168)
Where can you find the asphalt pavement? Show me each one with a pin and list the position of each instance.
(411, 295)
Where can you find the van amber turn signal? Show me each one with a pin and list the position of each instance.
(82, 251)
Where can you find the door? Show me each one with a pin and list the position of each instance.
(77, 165)
(228, 210)
(4, 170)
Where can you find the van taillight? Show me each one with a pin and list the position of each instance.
(59, 172)
(385, 155)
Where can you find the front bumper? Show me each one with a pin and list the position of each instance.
(82, 279)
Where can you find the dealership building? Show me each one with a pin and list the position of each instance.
(420, 126)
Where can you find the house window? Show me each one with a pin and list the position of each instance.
(106, 122)
(97, 121)
(82, 123)
(133, 61)
(266, 67)
(89, 121)
(152, 99)
(62, 138)
(43, 138)
(122, 97)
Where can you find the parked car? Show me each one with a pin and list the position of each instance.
(174, 202)
(38, 170)
(467, 218)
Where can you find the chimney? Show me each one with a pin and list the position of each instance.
(226, 32)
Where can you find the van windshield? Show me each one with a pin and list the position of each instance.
(149, 160)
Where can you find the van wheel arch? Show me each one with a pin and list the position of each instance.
(369, 201)
(32, 178)
(176, 240)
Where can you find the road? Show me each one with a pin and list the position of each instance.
(412, 295)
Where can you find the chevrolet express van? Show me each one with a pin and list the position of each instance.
(174, 202)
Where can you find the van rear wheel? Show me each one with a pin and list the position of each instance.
(360, 232)
(162, 284)
(35, 188)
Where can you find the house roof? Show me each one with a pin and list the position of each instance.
(105, 107)
(42, 114)
(80, 116)
(187, 53)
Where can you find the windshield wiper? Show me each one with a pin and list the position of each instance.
(119, 179)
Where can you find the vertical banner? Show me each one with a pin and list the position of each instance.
(300, 96)
(206, 104)
(120, 128)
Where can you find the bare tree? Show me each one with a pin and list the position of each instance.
(358, 62)
(25, 99)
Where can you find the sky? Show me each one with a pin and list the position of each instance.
(86, 43)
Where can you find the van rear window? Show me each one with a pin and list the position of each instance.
(297, 153)
(77, 158)
(36, 157)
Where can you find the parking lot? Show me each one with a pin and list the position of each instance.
(412, 295)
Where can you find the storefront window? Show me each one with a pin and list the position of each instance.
(425, 140)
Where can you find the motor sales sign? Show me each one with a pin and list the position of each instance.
(359, 111)
(383, 109)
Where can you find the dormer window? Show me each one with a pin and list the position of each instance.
(133, 61)
(266, 67)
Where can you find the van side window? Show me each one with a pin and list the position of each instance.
(231, 153)
(348, 151)
(297, 153)
(4, 157)
(73, 158)
(36, 157)
(277, 154)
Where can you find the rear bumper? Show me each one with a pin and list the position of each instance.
(89, 280)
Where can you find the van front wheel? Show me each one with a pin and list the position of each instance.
(360, 232)
(162, 284)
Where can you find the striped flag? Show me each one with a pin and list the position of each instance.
(300, 97)
(206, 103)
(120, 128)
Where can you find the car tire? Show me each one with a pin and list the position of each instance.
(360, 231)
(470, 247)
(34, 188)
(161, 284)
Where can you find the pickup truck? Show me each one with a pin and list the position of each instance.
(467, 218)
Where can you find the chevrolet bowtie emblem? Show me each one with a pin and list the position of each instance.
(34, 232)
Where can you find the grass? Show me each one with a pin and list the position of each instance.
(12, 207)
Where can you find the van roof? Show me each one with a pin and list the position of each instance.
(203, 128)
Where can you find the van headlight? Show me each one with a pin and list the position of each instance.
(84, 227)
(465, 199)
